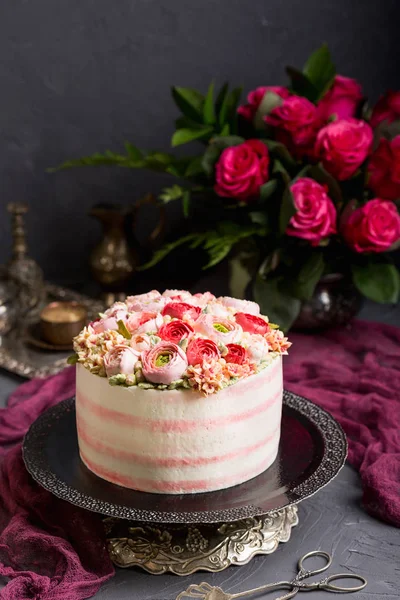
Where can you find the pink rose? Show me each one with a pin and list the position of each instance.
(374, 227)
(203, 299)
(164, 363)
(236, 354)
(315, 218)
(218, 329)
(117, 310)
(181, 310)
(384, 169)
(387, 109)
(175, 331)
(342, 99)
(120, 360)
(240, 305)
(200, 350)
(252, 323)
(241, 170)
(343, 146)
(295, 123)
(254, 99)
(152, 325)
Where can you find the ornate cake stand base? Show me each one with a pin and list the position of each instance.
(184, 549)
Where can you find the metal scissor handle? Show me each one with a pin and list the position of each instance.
(303, 572)
(327, 585)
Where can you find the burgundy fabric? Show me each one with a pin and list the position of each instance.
(49, 549)
(354, 373)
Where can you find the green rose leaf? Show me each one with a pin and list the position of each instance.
(134, 153)
(267, 104)
(287, 211)
(73, 359)
(301, 85)
(303, 286)
(267, 189)
(275, 303)
(320, 70)
(183, 136)
(186, 203)
(123, 330)
(195, 167)
(208, 108)
(280, 151)
(379, 282)
(190, 102)
(320, 175)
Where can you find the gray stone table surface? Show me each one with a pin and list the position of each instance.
(332, 520)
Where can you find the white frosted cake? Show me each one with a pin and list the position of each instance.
(178, 393)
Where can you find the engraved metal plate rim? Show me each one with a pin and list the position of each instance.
(333, 460)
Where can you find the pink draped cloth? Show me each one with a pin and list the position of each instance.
(51, 550)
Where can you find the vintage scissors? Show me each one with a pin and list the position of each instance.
(204, 591)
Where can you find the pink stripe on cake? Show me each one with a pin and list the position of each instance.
(176, 425)
(158, 461)
(184, 485)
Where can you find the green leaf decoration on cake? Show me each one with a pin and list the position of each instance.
(73, 359)
(123, 330)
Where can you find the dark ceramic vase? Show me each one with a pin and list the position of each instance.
(335, 302)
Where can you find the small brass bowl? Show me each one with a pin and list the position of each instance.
(62, 321)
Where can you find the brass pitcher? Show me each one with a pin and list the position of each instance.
(115, 259)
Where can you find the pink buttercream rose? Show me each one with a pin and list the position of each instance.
(137, 319)
(374, 227)
(117, 310)
(255, 97)
(342, 99)
(387, 109)
(152, 301)
(202, 299)
(218, 329)
(164, 363)
(343, 146)
(181, 310)
(175, 331)
(256, 346)
(384, 169)
(202, 350)
(252, 323)
(315, 217)
(152, 325)
(241, 170)
(240, 305)
(177, 295)
(236, 354)
(140, 342)
(296, 123)
(120, 360)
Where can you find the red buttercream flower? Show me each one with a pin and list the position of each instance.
(181, 310)
(175, 331)
(252, 323)
(236, 354)
(201, 349)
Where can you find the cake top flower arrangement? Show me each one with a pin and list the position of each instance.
(179, 340)
(300, 181)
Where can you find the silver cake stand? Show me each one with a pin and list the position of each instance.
(185, 533)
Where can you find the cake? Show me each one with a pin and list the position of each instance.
(179, 393)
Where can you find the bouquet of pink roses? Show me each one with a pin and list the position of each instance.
(301, 181)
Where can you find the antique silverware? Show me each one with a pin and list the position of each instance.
(204, 591)
(22, 270)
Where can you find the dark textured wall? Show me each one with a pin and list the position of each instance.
(78, 76)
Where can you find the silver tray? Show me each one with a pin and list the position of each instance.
(17, 356)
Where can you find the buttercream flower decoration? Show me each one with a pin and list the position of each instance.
(140, 342)
(152, 301)
(207, 378)
(247, 306)
(137, 319)
(277, 341)
(236, 354)
(120, 359)
(182, 310)
(200, 350)
(252, 323)
(175, 331)
(218, 329)
(164, 363)
(256, 346)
